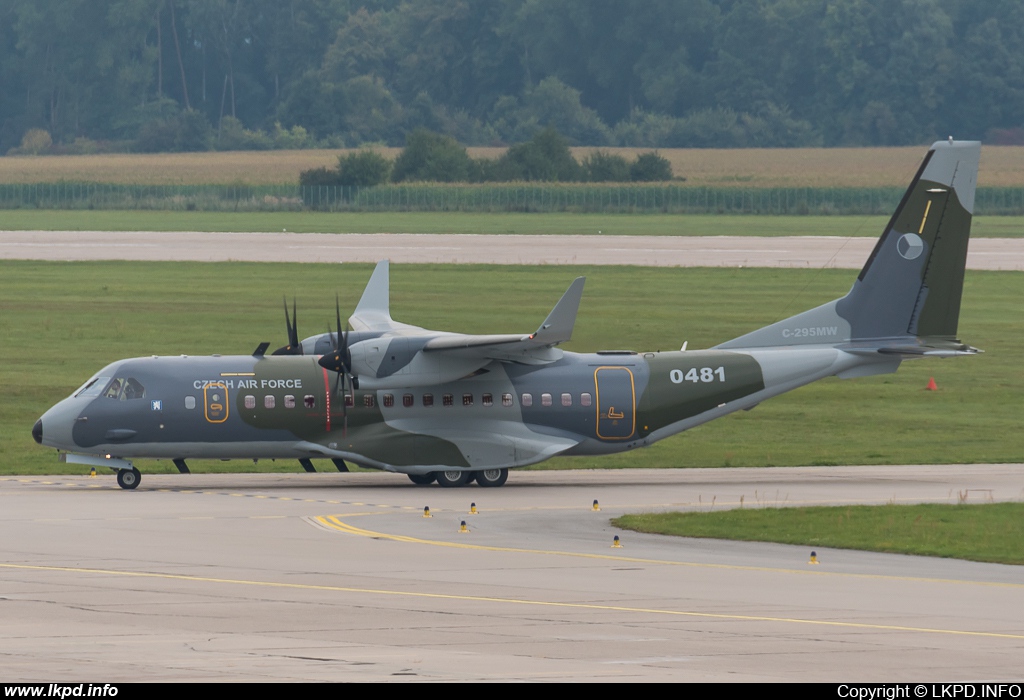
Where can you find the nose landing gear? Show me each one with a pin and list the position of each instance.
(128, 478)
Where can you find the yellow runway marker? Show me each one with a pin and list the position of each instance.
(512, 601)
(332, 522)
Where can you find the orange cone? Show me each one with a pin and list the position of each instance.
(932, 386)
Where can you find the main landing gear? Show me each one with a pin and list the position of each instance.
(492, 477)
(128, 478)
(456, 477)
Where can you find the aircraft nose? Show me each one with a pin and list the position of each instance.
(37, 431)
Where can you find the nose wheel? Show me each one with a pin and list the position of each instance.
(128, 478)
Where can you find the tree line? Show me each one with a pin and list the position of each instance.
(431, 157)
(243, 74)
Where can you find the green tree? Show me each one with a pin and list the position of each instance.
(363, 168)
(431, 157)
(545, 157)
(650, 167)
(601, 166)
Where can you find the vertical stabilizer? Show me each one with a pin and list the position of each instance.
(908, 293)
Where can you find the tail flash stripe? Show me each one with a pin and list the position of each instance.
(924, 218)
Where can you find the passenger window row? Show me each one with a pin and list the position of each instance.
(566, 399)
(409, 400)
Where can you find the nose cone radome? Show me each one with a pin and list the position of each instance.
(58, 422)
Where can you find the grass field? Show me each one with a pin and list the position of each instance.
(447, 222)
(64, 321)
(1001, 166)
(989, 532)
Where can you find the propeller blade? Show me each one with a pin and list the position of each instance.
(292, 322)
(293, 329)
(339, 361)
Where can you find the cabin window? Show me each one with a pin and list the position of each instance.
(250, 402)
(428, 399)
(133, 390)
(289, 401)
(567, 399)
(350, 401)
(190, 402)
(368, 400)
(269, 401)
(545, 399)
(122, 389)
(389, 400)
(506, 399)
(527, 400)
(407, 400)
(585, 399)
(309, 401)
(447, 400)
(467, 399)
(487, 400)
(114, 388)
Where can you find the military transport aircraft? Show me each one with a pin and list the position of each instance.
(455, 408)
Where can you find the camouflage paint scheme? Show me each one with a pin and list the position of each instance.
(542, 401)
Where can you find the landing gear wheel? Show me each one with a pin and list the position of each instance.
(452, 478)
(492, 477)
(422, 479)
(128, 478)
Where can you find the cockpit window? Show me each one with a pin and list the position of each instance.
(124, 389)
(91, 388)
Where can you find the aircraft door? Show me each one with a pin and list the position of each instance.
(616, 403)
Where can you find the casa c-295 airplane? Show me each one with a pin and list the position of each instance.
(455, 408)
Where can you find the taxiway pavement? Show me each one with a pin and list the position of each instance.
(339, 577)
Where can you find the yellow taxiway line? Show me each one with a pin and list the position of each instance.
(333, 522)
(512, 601)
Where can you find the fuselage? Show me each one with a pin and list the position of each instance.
(503, 415)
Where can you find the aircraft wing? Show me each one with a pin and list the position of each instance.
(535, 347)
(373, 313)
(404, 355)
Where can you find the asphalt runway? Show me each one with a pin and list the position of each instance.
(339, 577)
(656, 251)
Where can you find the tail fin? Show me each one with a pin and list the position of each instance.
(906, 300)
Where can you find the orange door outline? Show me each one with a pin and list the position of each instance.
(616, 413)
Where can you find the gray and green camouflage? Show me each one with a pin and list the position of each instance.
(454, 408)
